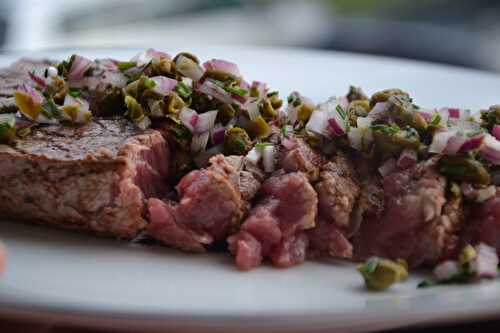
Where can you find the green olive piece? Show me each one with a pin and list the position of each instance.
(237, 141)
(383, 96)
(464, 169)
(134, 109)
(267, 110)
(226, 113)
(360, 108)
(162, 66)
(490, 117)
(401, 108)
(356, 94)
(305, 111)
(259, 128)
(275, 100)
(187, 55)
(379, 274)
(174, 103)
(219, 76)
(393, 142)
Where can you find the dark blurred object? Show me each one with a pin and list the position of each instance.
(459, 32)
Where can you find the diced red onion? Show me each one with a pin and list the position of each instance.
(211, 89)
(440, 141)
(238, 98)
(446, 270)
(378, 111)
(407, 159)
(199, 142)
(454, 144)
(337, 124)
(189, 68)
(36, 96)
(454, 113)
(485, 193)
(491, 149)
(52, 71)
(217, 134)
(387, 167)
(205, 121)
(222, 66)
(363, 122)
(244, 84)
(261, 88)
(355, 137)
(253, 156)
(471, 143)
(467, 189)
(115, 79)
(289, 143)
(344, 102)
(427, 115)
(269, 157)
(78, 68)
(202, 158)
(143, 58)
(189, 117)
(144, 124)
(485, 264)
(155, 108)
(108, 64)
(318, 123)
(37, 79)
(157, 54)
(252, 107)
(496, 132)
(163, 85)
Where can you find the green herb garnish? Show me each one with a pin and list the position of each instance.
(436, 119)
(74, 93)
(124, 65)
(341, 112)
(236, 90)
(183, 90)
(262, 145)
(388, 129)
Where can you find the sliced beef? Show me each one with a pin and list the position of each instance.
(301, 158)
(413, 205)
(275, 226)
(338, 191)
(212, 203)
(93, 177)
(484, 223)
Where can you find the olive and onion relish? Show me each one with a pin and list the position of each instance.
(209, 108)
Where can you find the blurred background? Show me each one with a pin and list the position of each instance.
(460, 32)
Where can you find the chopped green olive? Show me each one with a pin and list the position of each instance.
(275, 100)
(162, 66)
(124, 65)
(237, 141)
(187, 55)
(134, 109)
(383, 96)
(7, 127)
(174, 104)
(259, 128)
(226, 113)
(305, 111)
(390, 140)
(360, 108)
(267, 110)
(464, 169)
(490, 117)
(379, 274)
(356, 94)
(220, 76)
(401, 108)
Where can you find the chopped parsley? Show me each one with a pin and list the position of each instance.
(388, 129)
(183, 90)
(124, 65)
(236, 90)
(341, 112)
(262, 145)
(436, 119)
(74, 93)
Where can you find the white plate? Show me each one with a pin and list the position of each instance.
(82, 280)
